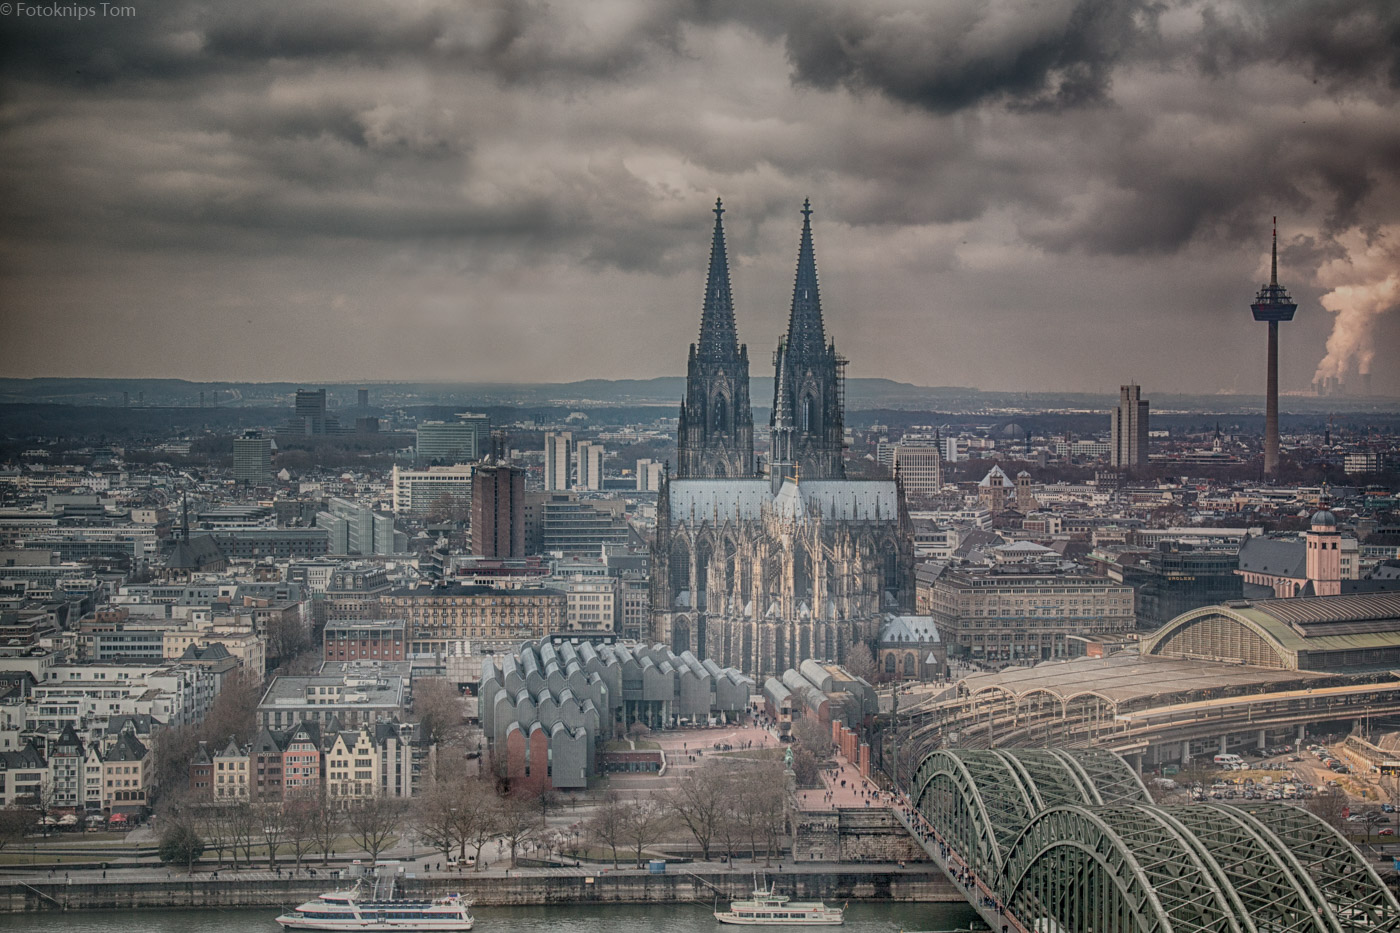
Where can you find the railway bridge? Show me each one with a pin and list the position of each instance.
(1052, 840)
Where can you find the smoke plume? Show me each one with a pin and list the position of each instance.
(1364, 284)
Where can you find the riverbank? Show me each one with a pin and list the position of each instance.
(703, 883)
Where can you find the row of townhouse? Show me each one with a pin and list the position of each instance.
(79, 777)
(381, 759)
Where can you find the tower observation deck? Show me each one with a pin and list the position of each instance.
(1273, 305)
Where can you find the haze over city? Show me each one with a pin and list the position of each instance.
(1062, 197)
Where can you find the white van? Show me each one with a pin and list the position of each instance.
(1229, 761)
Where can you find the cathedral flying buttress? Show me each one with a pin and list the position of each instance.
(760, 572)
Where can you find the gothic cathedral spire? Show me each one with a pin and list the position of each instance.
(808, 379)
(716, 422)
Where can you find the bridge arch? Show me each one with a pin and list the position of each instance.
(1070, 837)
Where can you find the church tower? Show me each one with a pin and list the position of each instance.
(807, 385)
(715, 437)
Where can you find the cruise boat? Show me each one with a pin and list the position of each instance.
(347, 910)
(765, 908)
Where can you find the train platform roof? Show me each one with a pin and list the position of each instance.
(1125, 678)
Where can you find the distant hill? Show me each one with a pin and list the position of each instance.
(861, 394)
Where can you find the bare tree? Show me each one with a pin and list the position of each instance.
(327, 822)
(860, 662)
(697, 800)
(43, 800)
(770, 808)
(606, 826)
(243, 829)
(489, 815)
(372, 821)
(439, 709)
(809, 733)
(15, 822)
(271, 819)
(286, 637)
(644, 822)
(171, 751)
(211, 822)
(1330, 806)
(299, 819)
(519, 821)
(234, 712)
(434, 815)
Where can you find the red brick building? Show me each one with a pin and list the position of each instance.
(365, 639)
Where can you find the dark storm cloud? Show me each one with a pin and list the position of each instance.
(949, 56)
(477, 165)
(1345, 41)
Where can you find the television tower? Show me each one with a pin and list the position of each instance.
(1272, 304)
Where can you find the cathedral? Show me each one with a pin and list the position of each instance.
(761, 566)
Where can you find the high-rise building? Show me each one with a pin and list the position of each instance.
(590, 465)
(648, 475)
(416, 492)
(715, 435)
(448, 442)
(558, 452)
(920, 468)
(311, 408)
(498, 511)
(1273, 305)
(252, 458)
(1129, 440)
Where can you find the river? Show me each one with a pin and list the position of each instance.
(861, 917)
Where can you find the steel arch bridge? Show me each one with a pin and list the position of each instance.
(1070, 842)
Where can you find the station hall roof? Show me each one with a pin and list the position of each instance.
(1311, 624)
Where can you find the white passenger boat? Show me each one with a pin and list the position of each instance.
(347, 910)
(765, 908)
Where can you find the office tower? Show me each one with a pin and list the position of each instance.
(1273, 305)
(715, 436)
(1129, 441)
(920, 468)
(498, 511)
(649, 475)
(311, 409)
(558, 452)
(448, 442)
(416, 492)
(252, 458)
(356, 529)
(590, 465)
(363, 399)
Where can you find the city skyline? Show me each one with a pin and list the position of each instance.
(1064, 201)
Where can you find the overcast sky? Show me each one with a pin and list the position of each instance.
(1009, 194)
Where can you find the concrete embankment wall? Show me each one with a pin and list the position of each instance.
(623, 887)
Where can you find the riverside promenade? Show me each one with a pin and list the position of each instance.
(704, 883)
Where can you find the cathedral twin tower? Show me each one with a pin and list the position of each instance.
(762, 573)
(715, 437)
